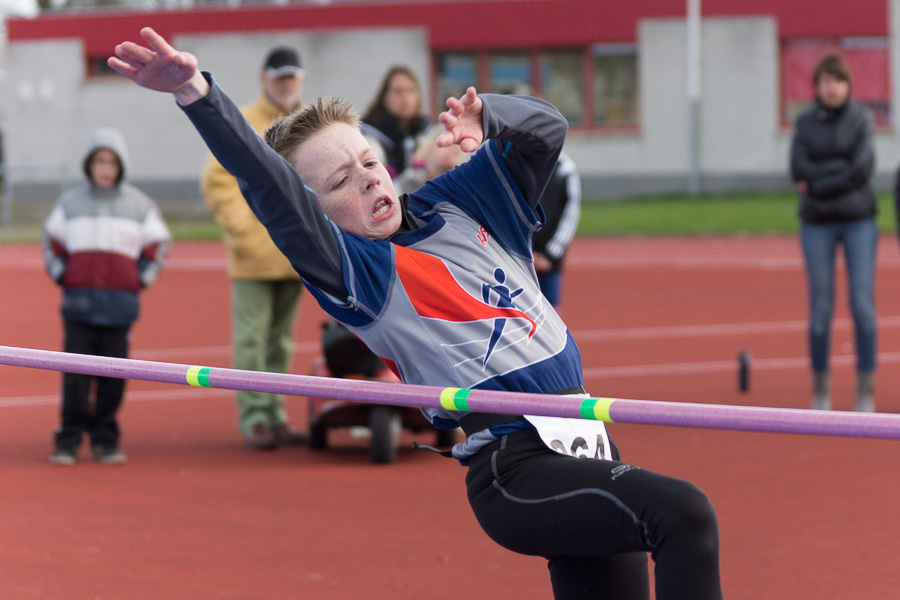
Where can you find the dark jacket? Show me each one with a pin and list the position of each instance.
(833, 151)
(398, 142)
(561, 203)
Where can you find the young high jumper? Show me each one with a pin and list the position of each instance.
(441, 285)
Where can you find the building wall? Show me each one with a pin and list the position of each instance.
(741, 142)
(51, 105)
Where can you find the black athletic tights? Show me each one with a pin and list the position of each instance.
(595, 521)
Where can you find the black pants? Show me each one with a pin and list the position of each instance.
(78, 416)
(595, 521)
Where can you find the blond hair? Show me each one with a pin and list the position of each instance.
(287, 133)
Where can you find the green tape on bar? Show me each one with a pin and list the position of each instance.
(198, 376)
(455, 398)
(596, 409)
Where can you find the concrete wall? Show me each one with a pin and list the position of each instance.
(742, 144)
(51, 107)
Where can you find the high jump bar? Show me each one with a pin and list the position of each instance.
(610, 410)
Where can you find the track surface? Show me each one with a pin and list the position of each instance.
(194, 515)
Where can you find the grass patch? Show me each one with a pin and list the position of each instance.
(732, 214)
(184, 228)
(195, 229)
(735, 214)
(20, 234)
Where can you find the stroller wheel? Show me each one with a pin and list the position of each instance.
(386, 425)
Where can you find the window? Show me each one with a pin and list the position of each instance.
(510, 73)
(562, 83)
(98, 67)
(615, 85)
(456, 72)
(868, 60)
(593, 87)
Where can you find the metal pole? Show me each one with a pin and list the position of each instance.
(6, 197)
(693, 94)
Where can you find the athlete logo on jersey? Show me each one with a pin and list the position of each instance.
(483, 236)
(504, 300)
(436, 294)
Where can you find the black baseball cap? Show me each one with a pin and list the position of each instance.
(283, 62)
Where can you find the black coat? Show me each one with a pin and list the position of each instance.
(833, 151)
(398, 142)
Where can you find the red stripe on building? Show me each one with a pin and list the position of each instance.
(458, 25)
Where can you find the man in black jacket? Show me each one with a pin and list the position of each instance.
(561, 202)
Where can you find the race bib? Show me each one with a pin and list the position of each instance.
(581, 438)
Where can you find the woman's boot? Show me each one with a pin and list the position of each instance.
(821, 390)
(865, 391)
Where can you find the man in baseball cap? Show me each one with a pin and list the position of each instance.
(282, 78)
(283, 62)
(265, 289)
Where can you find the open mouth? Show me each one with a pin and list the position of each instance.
(382, 206)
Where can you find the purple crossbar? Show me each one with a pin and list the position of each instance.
(755, 418)
(674, 414)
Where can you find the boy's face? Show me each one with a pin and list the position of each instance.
(104, 168)
(354, 188)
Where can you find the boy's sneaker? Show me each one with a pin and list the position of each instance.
(64, 457)
(109, 456)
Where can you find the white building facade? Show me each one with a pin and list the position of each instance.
(618, 74)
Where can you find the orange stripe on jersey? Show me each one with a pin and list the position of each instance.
(435, 294)
(392, 366)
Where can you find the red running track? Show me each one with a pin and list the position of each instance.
(194, 515)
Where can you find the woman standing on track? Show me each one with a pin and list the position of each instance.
(441, 285)
(832, 161)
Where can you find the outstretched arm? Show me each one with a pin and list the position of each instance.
(160, 67)
(462, 122)
(289, 210)
(531, 131)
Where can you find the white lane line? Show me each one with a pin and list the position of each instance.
(689, 262)
(178, 393)
(761, 263)
(764, 364)
(695, 368)
(166, 354)
(676, 331)
(172, 264)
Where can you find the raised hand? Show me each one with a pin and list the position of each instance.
(160, 67)
(462, 122)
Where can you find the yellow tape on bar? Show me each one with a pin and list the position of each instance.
(455, 398)
(198, 376)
